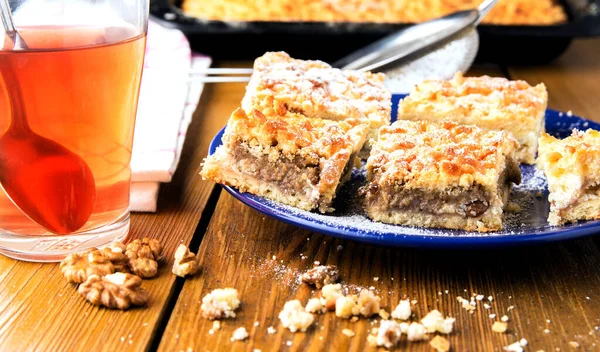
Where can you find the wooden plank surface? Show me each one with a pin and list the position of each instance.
(553, 288)
(39, 310)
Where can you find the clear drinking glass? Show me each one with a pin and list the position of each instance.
(68, 102)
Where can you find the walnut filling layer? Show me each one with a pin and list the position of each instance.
(467, 202)
(296, 177)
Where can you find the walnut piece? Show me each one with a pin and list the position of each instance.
(220, 303)
(186, 262)
(294, 317)
(115, 291)
(321, 275)
(144, 255)
(77, 267)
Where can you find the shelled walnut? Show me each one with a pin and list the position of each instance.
(144, 255)
(77, 267)
(115, 291)
(186, 262)
(321, 275)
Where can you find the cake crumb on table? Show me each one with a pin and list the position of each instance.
(440, 344)
(388, 334)
(466, 304)
(315, 305)
(416, 332)
(239, 334)
(383, 314)
(499, 327)
(220, 303)
(271, 330)
(368, 303)
(402, 310)
(294, 317)
(348, 332)
(504, 318)
(517, 346)
(574, 344)
(331, 293)
(434, 321)
(216, 325)
(345, 307)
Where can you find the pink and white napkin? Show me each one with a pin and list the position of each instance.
(167, 102)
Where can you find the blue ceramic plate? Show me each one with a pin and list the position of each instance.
(349, 221)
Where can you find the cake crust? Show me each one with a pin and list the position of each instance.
(440, 175)
(572, 168)
(286, 157)
(489, 102)
(315, 89)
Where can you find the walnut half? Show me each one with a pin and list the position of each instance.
(186, 262)
(143, 257)
(77, 267)
(115, 291)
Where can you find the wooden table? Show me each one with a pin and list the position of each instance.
(554, 288)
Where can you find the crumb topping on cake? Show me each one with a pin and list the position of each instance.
(294, 134)
(488, 102)
(469, 93)
(315, 89)
(578, 153)
(429, 155)
(572, 167)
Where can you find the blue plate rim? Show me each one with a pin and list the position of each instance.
(474, 239)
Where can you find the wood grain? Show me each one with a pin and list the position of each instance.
(548, 286)
(546, 282)
(39, 310)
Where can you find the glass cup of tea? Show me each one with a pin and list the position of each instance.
(69, 84)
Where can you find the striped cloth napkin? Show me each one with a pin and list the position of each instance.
(166, 105)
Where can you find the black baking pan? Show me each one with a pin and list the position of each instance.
(330, 41)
